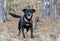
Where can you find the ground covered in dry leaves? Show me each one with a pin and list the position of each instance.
(47, 30)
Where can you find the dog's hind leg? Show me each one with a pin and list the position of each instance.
(19, 32)
(27, 29)
(19, 28)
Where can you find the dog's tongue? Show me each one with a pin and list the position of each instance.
(29, 17)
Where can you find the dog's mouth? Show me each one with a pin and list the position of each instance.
(28, 16)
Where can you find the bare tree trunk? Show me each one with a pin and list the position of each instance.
(49, 9)
(2, 12)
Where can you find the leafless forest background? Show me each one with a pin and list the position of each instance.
(47, 29)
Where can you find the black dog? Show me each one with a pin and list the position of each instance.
(25, 21)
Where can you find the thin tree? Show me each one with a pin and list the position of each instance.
(2, 11)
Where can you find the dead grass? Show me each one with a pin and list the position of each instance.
(47, 30)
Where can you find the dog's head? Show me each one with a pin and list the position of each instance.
(28, 13)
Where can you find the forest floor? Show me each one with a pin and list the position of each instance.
(47, 30)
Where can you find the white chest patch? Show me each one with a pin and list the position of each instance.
(27, 24)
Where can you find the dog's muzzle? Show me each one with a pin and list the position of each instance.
(28, 16)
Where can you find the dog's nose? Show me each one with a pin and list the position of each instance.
(28, 14)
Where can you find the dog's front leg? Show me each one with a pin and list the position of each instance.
(23, 31)
(31, 30)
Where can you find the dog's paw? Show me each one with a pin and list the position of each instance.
(23, 36)
(18, 33)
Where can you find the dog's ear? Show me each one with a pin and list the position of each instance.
(24, 10)
(33, 10)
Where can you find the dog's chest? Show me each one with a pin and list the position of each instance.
(27, 24)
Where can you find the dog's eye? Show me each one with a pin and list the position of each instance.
(26, 11)
(31, 11)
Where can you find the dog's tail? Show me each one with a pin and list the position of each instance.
(14, 15)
